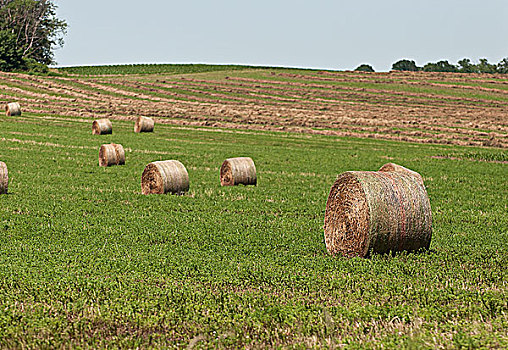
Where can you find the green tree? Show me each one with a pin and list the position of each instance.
(405, 65)
(485, 67)
(11, 57)
(466, 66)
(502, 66)
(364, 68)
(34, 26)
(441, 66)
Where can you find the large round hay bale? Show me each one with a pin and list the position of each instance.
(400, 168)
(377, 212)
(168, 176)
(111, 154)
(236, 171)
(12, 109)
(4, 178)
(102, 127)
(144, 124)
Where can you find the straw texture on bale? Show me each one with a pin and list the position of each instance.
(4, 178)
(377, 212)
(12, 109)
(168, 176)
(111, 154)
(102, 127)
(144, 124)
(236, 171)
(400, 168)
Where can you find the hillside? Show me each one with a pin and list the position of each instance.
(443, 108)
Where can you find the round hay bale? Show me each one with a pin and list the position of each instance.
(168, 176)
(144, 124)
(377, 212)
(236, 171)
(102, 127)
(400, 168)
(12, 109)
(111, 154)
(4, 178)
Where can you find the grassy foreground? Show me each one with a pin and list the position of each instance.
(86, 260)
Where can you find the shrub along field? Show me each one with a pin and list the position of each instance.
(87, 260)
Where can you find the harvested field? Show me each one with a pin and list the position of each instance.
(460, 109)
(88, 261)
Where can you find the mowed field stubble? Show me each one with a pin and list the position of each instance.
(87, 260)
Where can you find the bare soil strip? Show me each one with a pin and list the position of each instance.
(471, 160)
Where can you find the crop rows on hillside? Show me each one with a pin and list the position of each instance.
(422, 107)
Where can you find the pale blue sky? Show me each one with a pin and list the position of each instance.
(315, 34)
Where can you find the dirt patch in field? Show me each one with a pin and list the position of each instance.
(471, 160)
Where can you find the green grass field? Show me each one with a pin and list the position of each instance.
(144, 69)
(87, 261)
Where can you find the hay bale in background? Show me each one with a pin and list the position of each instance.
(168, 176)
(102, 127)
(4, 178)
(377, 211)
(144, 124)
(12, 109)
(111, 154)
(236, 171)
(400, 168)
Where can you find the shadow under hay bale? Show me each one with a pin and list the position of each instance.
(102, 127)
(399, 168)
(238, 171)
(144, 124)
(111, 154)
(377, 212)
(12, 109)
(4, 178)
(168, 176)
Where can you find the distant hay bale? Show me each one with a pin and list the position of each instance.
(400, 168)
(102, 127)
(12, 109)
(144, 124)
(4, 178)
(236, 171)
(377, 212)
(168, 176)
(111, 154)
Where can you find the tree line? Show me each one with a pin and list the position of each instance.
(29, 31)
(463, 66)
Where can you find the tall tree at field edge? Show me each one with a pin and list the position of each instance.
(34, 29)
(406, 65)
(364, 68)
